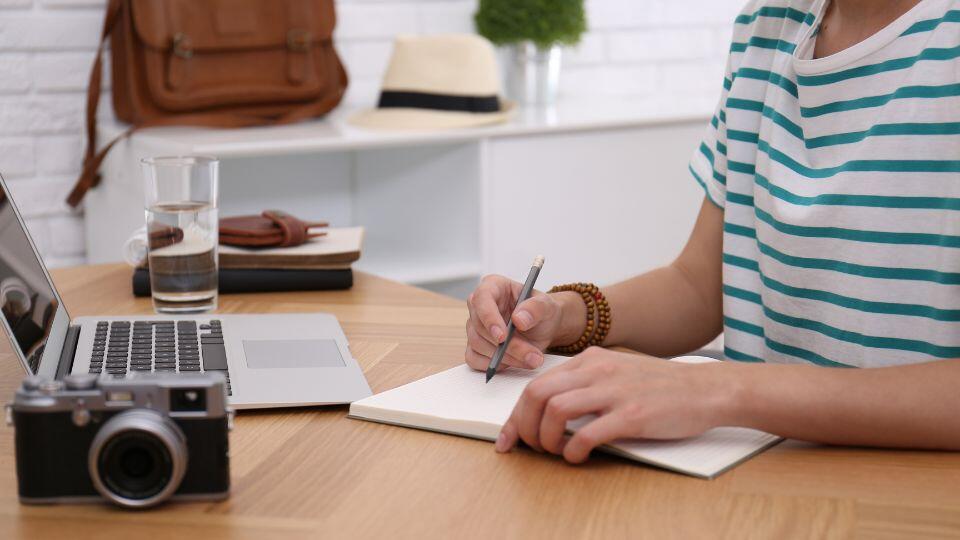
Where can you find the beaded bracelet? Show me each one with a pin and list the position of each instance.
(598, 316)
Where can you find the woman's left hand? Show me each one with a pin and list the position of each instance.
(631, 396)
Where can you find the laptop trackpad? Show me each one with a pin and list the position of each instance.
(292, 353)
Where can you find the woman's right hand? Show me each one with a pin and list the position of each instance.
(541, 321)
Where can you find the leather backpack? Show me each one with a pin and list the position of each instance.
(216, 63)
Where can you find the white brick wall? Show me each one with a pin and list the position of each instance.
(46, 48)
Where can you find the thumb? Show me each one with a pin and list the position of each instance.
(532, 312)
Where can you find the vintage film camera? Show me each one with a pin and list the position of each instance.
(135, 441)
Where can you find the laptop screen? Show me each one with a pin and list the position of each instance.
(27, 298)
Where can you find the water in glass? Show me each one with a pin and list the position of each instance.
(183, 256)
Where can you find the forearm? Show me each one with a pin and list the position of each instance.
(670, 310)
(661, 313)
(913, 406)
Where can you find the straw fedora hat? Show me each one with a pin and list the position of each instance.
(438, 82)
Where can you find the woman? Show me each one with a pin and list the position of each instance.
(829, 237)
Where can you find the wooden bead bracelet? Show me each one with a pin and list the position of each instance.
(598, 317)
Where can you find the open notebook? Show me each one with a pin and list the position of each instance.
(457, 401)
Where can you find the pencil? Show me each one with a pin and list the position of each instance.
(524, 294)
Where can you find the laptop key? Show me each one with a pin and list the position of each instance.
(189, 368)
(214, 357)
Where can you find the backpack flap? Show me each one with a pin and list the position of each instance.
(200, 54)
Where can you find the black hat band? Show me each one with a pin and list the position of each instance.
(438, 102)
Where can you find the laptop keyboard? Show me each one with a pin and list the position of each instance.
(120, 347)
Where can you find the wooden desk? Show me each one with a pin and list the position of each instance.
(314, 472)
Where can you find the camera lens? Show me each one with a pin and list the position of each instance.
(135, 465)
(138, 458)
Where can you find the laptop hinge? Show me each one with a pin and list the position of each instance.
(68, 352)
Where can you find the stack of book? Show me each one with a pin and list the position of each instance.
(319, 264)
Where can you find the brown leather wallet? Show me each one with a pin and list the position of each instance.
(272, 228)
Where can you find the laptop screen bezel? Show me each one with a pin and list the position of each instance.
(50, 359)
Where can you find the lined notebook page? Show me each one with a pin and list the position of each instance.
(457, 401)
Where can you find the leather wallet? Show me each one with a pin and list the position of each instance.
(272, 228)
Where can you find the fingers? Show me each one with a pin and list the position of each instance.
(475, 322)
(481, 362)
(518, 353)
(532, 311)
(567, 406)
(479, 343)
(475, 360)
(484, 302)
(604, 429)
(507, 438)
(521, 353)
(528, 412)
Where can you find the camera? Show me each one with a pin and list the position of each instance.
(135, 441)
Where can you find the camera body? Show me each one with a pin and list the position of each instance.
(136, 441)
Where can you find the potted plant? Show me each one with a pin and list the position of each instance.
(532, 31)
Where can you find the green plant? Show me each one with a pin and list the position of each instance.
(544, 22)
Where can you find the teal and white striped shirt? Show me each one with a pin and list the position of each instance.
(840, 183)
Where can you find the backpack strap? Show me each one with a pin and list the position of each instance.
(92, 158)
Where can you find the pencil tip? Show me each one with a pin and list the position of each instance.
(489, 375)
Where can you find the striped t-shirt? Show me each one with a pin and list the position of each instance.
(840, 183)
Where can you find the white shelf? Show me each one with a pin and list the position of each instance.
(421, 273)
(334, 133)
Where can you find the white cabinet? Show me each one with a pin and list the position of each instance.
(600, 189)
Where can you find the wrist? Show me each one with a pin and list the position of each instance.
(573, 318)
(731, 393)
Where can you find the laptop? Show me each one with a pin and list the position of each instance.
(269, 360)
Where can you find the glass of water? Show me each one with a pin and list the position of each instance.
(180, 199)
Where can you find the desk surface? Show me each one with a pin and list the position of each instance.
(313, 472)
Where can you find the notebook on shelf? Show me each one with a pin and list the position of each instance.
(457, 402)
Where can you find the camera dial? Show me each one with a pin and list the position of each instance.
(138, 458)
(80, 381)
(51, 387)
(32, 382)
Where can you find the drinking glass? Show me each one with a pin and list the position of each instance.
(180, 202)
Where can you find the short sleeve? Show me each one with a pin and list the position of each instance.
(709, 162)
